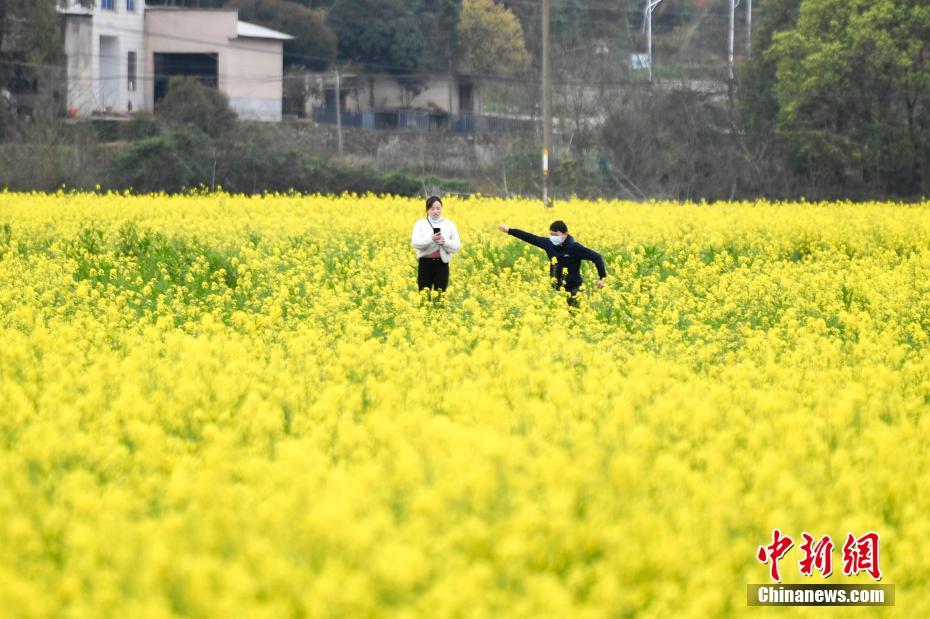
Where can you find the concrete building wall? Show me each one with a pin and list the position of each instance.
(435, 95)
(112, 35)
(98, 43)
(256, 85)
(125, 27)
(250, 71)
(187, 32)
(79, 65)
(388, 93)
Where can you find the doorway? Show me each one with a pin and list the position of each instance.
(109, 74)
(205, 67)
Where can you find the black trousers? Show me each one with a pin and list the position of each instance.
(433, 273)
(573, 292)
(573, 297)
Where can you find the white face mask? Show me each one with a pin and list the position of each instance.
(556, 239)
(434, 220)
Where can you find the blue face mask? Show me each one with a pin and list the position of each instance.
(556, 239)
(435, 220)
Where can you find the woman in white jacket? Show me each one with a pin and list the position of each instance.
(436, 239)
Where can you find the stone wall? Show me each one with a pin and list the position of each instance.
(433, 152)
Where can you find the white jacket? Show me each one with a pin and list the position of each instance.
(422, 239)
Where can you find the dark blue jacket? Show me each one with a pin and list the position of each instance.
(568, 257)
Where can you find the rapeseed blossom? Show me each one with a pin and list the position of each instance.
(218, 405)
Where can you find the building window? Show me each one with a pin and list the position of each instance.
(108, 5)
(131, 5)
(131, 71)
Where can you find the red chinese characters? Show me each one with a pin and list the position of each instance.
(861, 555)
(774, 551)
(817, 556)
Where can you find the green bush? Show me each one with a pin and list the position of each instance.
(189, 102)
(179, 159)
(142, 125)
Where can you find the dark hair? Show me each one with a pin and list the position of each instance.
(430, 201)
(559, 226)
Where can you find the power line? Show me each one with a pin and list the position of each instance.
(484, 77)
(609, 10)
(392, 68)
(395, 70)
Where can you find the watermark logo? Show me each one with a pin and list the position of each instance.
(817, 556)
(820, 595)
(774, 552)
(860, 555)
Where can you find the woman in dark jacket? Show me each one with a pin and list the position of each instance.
(568, 254)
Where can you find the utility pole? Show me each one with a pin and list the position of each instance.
(647, 25)
(338, 113)
(547, 101)
(749, 28)
(730, 30)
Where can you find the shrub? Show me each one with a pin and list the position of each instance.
(181, 158)
(189, 102)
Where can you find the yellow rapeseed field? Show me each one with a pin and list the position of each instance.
(227, 406)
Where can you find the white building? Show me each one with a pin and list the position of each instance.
(104, 48)
(121, 54)
(438, 92)
(244, 60)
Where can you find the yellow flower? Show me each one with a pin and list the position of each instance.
(250, 412)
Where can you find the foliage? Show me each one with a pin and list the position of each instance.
(852, 86)
(575, 24)
(438, 19)
(490, 40)
(250, 160)
(674, 145)
(42, 153)
(314, 45)
(189, 102)
(217, 405)
(255, 160)
(756, 77)
(29, 40)
(180, 158)
(380, 35)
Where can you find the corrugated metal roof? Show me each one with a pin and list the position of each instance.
(254, 31)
